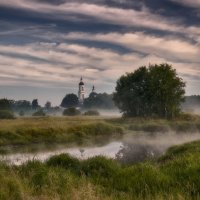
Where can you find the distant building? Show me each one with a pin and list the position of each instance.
(93, 93)
(93, 89)
(81, 91)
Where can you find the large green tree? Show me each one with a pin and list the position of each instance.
(70, 100)
(150, 91)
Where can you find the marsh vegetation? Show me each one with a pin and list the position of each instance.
(175, 175)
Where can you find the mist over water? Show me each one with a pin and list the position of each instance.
(110, 113)
(132, 148)
(148, 146)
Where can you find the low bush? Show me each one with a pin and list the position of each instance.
(100, 166)
(92, 113)
(65, 161)
(187, 117)
(21, 113)
(39, 113)
(5, 114)
(71, 112)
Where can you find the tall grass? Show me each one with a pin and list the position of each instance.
(185, 123)
(175, 175)
(55, 130)
(45, 130)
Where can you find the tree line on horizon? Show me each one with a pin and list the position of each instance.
(22, 107)
(154, 91)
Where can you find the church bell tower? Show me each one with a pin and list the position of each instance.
(81, 91)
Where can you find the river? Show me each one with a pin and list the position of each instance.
(136, 148)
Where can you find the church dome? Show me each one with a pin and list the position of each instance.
(81, 82)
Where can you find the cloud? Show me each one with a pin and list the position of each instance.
(50, 44)
(125, 17)
(170, 48)
(190, 3)
(53, 2)
(67, 62)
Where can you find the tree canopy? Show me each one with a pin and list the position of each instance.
(101, 101)
(70, 100)
(48, 105)
(71, 112)
(21, 105)
(150, 91)
(35, 104)
(6, 109)
(5, 104)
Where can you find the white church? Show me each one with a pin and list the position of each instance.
(81, 91)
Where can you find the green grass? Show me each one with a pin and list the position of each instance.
(175, 175)
(185, 123)
(47, 130)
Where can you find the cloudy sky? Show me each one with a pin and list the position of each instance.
(47, 45)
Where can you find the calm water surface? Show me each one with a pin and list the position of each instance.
(135, 146)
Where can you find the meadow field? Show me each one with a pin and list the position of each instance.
(80, 130)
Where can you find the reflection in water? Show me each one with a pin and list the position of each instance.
(149, 146)
(137, 152)
(109, 150)
(131, 149)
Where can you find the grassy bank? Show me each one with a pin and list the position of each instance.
(58, 130)
(185, 123)
(82, 130)
(175, 175)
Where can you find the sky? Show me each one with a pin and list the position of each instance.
(47, 45)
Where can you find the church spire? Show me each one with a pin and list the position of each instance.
(81, 91)
(93, 89)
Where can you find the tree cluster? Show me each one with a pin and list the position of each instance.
(154, 91)
(100, 101)
(6, 109)
(70, 100)
(95, 100)
(21, 105)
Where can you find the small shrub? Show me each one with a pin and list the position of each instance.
(39, 113)
(65, 161)
(5, 114)
(92, 113)
(100, 166)
(71, 112)
(187, 117)
(21, 113)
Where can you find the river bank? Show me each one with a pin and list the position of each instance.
(46, 132)
(175, 175)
